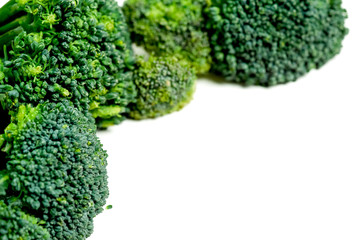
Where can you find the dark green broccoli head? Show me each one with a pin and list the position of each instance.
(164, 85)
(170, 27)
(270, 42)
(15, 225)
(54, 168)
(65, 49)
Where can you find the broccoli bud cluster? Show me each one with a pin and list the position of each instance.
(171, 27)
(16, 224)
(164, 85)
(54, 172)
(271, 42)
(76, 50)
(67, 68)
(251, 42)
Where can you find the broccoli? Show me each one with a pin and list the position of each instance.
(271, 42)
(164, 85)
(170, 27)
(53, 171)
(66, 49)
(15, 224)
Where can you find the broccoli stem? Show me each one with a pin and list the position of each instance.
(14, 20)
(16, 23)
(6, 38)
(9, 10)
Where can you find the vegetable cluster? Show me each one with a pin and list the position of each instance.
(251, 42)
(171, 27)
(76, 50)
(163, 86)
(272, 42)
(54, 169)
(67, 68)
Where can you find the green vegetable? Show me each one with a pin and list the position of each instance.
(170, 27)
(53, 169)
(164, 85)
(270, 42)
(15, 225)
(66, 49)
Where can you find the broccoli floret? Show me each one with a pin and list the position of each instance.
(170, 27)
(270, 42)
(16, 225)
(55, 168)
(164, 85)
(66, 49)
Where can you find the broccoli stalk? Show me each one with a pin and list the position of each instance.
(14, 19)
(10, 30)
(11, 8)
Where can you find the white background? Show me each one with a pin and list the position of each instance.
(244, 163)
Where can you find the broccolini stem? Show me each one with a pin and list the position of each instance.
(14, 20)
(16, 23)
(9, 10)
(6, 38)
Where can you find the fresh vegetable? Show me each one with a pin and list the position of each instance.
(171, 27)
(164, 85)
(53, 178)
(270, 42)
(15, 224)
(66, 49)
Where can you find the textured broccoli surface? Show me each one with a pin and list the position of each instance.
(54, 169)
(164, 85)
(270, 42)
(65, 49)
(17, 225)
(170, 27)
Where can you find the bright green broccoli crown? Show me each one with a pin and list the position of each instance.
(15, 225)
(79, 50)
(270, 42)
(54, 168)
(170, 27)
(164, 85)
